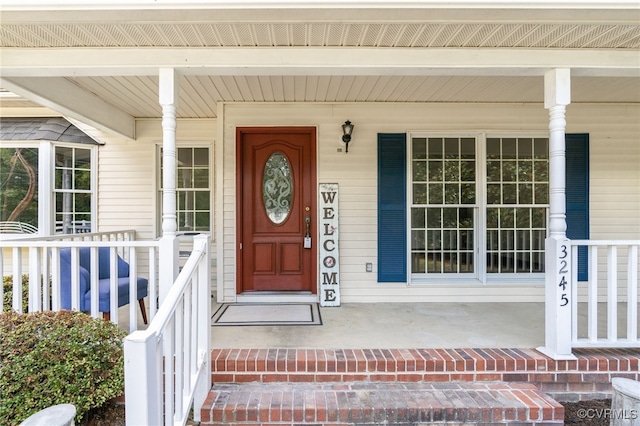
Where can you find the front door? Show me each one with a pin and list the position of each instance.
(276, 209)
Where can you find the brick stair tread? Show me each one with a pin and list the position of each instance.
(379, 403)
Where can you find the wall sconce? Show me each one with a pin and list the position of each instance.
(347, 129)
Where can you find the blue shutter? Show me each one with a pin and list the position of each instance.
(392, 207)
(577, 195)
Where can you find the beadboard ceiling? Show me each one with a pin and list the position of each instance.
(377, 32)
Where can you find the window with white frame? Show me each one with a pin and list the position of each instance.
(473, 198)
(193, 189)
(73, 189)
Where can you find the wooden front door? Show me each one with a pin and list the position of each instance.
(276, 209)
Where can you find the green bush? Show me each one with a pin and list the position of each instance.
(7, 295)
(49, 358)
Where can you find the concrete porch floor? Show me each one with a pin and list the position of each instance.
(399, 325)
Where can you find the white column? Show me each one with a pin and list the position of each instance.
(168, 89)
(557, 95)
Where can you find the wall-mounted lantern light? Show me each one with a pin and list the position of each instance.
(347, 129)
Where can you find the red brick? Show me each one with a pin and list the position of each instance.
(301, 378)
(243, 378)
(274, 377)
(581, 387)
(596, 377)
(221, 378)
(355, 377)
(409, 377)
(351, 364)
(361, 360)
(435, 377)
(488, 377)
(400, 362)
(275, 407)
(271, 357)
(462, 377)
(261, 360)
(321, 361)
(328, 378)
(310, 358)
(515, 377)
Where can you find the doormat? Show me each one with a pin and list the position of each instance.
(267, 314)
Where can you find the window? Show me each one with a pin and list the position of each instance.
(517, 199)
(73, 193)
(19, 187)
(443, 201)
(473, 198)
(193, 190)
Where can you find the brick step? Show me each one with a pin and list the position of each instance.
(367, 403)
(587, 377)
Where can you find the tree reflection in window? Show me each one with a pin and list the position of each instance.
(277, 188)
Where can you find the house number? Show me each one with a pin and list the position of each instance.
(564, 300)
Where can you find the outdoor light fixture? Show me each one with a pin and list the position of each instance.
(347, 129)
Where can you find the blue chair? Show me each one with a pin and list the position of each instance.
(103, 282)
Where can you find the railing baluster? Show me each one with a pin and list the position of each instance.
(592, 301)
(17, 280)
(612, 293)
(169, 368)
(94, 300)
(632, 294)
(574, 293)
(75, 279)
(133, 289)
(55, 279)
(113, 283)
(46, 283)
(35, 280)
(153, 289)
(179, 356)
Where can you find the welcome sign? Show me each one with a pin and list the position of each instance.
(329, 255)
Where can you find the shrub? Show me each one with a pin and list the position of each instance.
(49, 358)
(7, 299)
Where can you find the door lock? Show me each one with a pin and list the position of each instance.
(307, 234)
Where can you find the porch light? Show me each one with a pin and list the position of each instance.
(347, 129)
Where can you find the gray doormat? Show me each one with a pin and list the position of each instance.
(267, 314)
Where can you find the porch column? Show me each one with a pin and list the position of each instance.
(168, 89)
(557, 95)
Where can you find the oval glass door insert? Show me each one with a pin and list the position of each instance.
(277, 188)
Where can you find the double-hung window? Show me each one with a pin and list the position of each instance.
(193, 189)
(73, 194)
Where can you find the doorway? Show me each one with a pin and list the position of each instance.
(276, 204)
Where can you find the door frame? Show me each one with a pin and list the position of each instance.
(312, 132)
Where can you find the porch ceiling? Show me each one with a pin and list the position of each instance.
(109, 57)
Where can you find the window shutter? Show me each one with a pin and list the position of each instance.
(392, 207)
(577, 195)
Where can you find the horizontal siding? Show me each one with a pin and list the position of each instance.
(615, 171)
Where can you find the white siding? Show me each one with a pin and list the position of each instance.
(615, 171)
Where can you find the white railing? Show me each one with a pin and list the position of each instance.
(612, 286)
(39, 259)
(167, 366)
